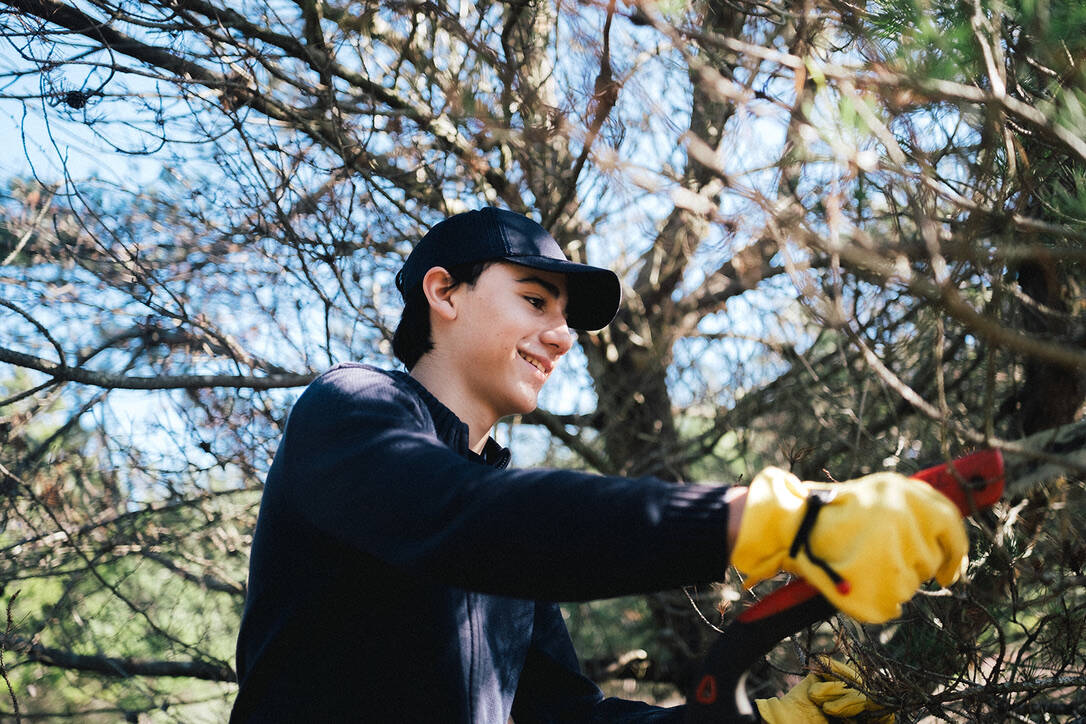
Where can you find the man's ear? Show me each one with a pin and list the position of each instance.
(438, 286)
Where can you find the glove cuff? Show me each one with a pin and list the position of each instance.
(772, 515)
(769, 711)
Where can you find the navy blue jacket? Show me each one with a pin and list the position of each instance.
(396, 576)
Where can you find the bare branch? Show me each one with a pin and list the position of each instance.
(117, 667)
(122, 382)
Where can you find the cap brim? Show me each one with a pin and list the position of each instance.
(594, 293)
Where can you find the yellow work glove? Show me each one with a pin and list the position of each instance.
(820, 695)
(867, 547)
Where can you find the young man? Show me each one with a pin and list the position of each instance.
(402, 572)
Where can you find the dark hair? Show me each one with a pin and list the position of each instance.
(412, 338)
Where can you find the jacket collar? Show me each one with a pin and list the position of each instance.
(453, 431)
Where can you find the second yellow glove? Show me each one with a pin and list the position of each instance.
(866, 544)
(831, 689)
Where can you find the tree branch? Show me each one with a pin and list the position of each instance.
(236, 93)
(951, 301)
(120, 668)
(555, 426)
(177, 382)
(206, 581)
(931, 89)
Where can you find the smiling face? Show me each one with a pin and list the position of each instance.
(499, 341)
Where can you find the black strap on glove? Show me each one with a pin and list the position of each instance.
(815, 501)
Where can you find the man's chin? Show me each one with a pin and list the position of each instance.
(523, 409)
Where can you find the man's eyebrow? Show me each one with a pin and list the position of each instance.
(552, 289)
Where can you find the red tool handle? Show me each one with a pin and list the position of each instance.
(973, 483)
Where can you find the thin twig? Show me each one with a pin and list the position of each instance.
(3, 668)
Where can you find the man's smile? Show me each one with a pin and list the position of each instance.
(534, 362)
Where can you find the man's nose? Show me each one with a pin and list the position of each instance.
(559, 337)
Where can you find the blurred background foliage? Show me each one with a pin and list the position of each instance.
(850, 238)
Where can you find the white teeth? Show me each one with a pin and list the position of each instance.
(532, 362)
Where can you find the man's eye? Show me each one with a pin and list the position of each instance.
(536, 302)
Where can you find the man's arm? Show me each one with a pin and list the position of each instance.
(360, 467)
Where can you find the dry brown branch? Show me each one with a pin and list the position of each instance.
(94, 378)
(117, 667)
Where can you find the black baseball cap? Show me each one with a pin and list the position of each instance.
(497, 234)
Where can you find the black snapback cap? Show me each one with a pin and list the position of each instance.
(497, 234)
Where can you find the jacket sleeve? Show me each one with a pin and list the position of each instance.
(359, 463)
(552, 688)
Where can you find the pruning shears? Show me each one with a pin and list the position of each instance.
(973, 483)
